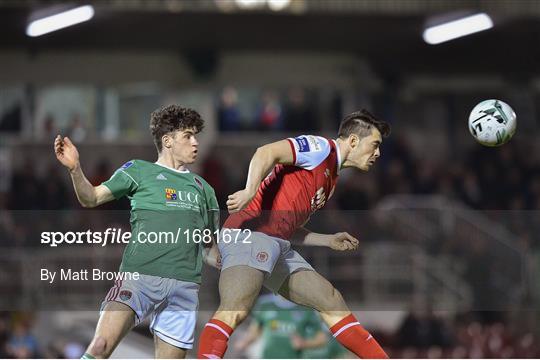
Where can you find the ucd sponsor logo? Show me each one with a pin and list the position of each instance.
(170, 194)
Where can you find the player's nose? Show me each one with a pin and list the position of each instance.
(377, 153)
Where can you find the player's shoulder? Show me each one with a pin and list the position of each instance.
(309, 151)
(136, 163)
(129, 166)
(310, 143)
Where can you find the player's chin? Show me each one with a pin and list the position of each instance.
(364, 167)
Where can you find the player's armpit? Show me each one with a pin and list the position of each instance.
(103, 194)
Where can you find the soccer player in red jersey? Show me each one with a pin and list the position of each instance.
(304, 172)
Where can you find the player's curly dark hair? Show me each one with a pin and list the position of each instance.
(360, 123)
(171, 118)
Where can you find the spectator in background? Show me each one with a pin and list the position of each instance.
(269, 115)
(22, 344)
(53, 195)
(215, 173)
(25, 188)
(50, 129)
(228, 113)
(421, 329)
(298, 113)
(10, 120)
(76, 129)
(102, 172)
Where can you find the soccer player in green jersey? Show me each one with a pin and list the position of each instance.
(287, 329)
(165, 199)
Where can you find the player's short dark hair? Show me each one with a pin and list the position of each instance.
(361, 123)
(171, 118)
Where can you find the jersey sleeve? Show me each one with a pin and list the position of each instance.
(309, 150)
(124, 181)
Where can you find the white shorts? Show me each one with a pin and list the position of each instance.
(172, 303)
(270, 254)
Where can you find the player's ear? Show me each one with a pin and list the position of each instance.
(354, 140)
(166, 140)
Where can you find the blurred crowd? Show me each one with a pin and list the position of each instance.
(19, 341)
(421, 334)
(505, 179)
(425, 334)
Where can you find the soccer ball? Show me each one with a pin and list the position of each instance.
(492, 122)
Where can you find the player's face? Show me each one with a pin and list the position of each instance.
(365, 151)
(184, 145)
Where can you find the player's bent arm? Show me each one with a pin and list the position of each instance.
(341, 241)
(89, 196)
(309, 238)
(264, 159)
(317, 341)
(262, 162)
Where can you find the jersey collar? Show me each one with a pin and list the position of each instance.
(338, 156)
(170, 168)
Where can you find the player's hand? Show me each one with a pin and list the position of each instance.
(239, 200)
(66, 152)
(343, 241)
(212, 257)
(297, 342)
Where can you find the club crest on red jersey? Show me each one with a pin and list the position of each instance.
(125, 295)
(262, 256)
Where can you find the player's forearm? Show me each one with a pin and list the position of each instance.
(83, 188)
(260, 166)
(309, 238)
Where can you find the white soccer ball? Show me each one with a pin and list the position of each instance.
(492, 122)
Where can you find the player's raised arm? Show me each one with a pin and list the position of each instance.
(87, 194)
(262, 162)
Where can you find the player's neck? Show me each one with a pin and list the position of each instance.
(168, 161)
(343, 151)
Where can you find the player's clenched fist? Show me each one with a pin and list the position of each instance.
(239, 200)
(343, 241)
(66, 152)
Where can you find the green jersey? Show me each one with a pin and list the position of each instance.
(279, 321)
(170, 212)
